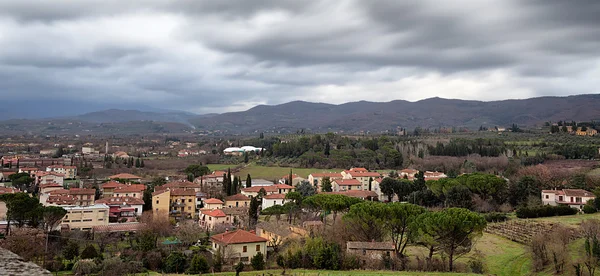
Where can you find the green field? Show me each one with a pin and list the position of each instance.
(572, 221)
(299, 272)
(272, 173)
(219, 167)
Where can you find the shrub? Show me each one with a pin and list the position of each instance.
(89, 252)
(115, 267)
(175, 263)
(545, 211)
(589, 209)
(258, 261)
(495, 217)
(198, 265)
(239, 268)
(84, 267)
(71, 250)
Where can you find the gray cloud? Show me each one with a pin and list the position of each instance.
(216, 56)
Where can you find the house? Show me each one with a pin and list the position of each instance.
(48, 152)
(259, 182)
(120, 154)
(296, 179)
(339, 185)
(62, 197)
(107, 189)
(176, 203)
(49, 177)
(3, 209)
(316, 179)
(181, 184)
(89, 150)
(273, 199)
(371, 251)
(434, 175)
(129, 190)
(238, 246)
(274, 189)
(210, 219)
(376, 188)
(126, 176)
(213, 203)
(211, 179)
(362, 175)
(85, 217)
(278, 232)
(127, 208)
(237, 200)
(83, 196)
(30, 171)
(574, 198)
(70, 172)
(408, 173)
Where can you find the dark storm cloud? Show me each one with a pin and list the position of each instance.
(207, 56)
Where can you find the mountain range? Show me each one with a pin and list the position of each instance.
(349, 117)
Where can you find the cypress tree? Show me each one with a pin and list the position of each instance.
(137, 163)
(290, 178)
(248, 181)
(142, 163)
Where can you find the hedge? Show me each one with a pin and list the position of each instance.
(545, 211)
(495, 217)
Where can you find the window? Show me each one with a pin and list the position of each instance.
(88, 211)
(258, 247)
(578, 199)
(209, 218)
(245, 249)
(85, 220)
(76, 220)
(157, 202)
(66, 220)
(387, 253)
(364, 252)
(547, 196)
(560, 198)
(100, 219)
(189, 208)
(190, 200)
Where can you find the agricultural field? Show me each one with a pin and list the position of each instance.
(219, 167)
(271, 173)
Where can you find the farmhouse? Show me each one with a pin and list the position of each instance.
(316, 179)
(237, 200)
(238, 246)
(213, 203)
(340, 185)
(575, 198)
(273, 199)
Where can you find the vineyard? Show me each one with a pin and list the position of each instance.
(520, 231)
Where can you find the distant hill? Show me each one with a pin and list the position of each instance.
(433, 112)
(320, 117)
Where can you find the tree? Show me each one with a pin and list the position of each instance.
(326, 184)
(198, 265)
(370, 183)
(398, 218)
(22, 208)
(327, 149)
(459, 196)
(258, 261)
(22, 181)
(52, 215)
(71, 250)
(89, 252)
(84, 267)
(59, 152)
(591, 230)
(387, 188)
(239, 267)
(197, 170)
(451, 229)
(246, 157)
(305, 189)
(175, 262)
(248, 181)
(137, 163)
(366, 221)
(142, 163)
(253, 212)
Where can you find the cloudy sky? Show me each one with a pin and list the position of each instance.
(217, 56)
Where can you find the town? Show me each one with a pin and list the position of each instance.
(179, 205)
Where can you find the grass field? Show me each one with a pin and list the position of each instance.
(271, 173)
(572, 221)
(218, 167)
(299, 272)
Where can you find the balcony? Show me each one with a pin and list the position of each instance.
(177, 204)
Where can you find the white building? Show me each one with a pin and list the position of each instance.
(574, 198)
(274, 199)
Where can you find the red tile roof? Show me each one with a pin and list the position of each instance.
(50, 185)
(61, 167)
(61, 199)
(364, 174)
(214, 213)
(287, 175)
(268, 189)
(180, 184)
(82, 191)
(112, 185)
(120, 200)
(236, 237)
(275, 196)
(237, 197)
(330, 175)
(347, 182)
(182, 192)
(378, 180)
(213, 201)
(8, 190)
(124, 176)
(132, 188)
(42, 174)
(159, 192)
(358, 170)
(577, 193)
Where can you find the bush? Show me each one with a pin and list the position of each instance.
(589, 209)
(545, 211)
(89, 252)
(175, 263)
(84, 267)
(71, 250)
(495, 217)
(258, 261)
(198, 265)
(115, 267)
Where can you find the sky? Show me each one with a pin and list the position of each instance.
(220, 56)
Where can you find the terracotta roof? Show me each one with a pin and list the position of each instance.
(50, 185)
(182, 192)
(180, 184)
(111, 185)
(268, 189)
(120, 200)
(119, 227)
(409, 171)
(577, 193)
(59, 192)
(378, 180)
(61, 199)
(214, 213)
(132, 188)
(42, 174)
(213, 201)
(358, 170)
(556, 192)
(61, 167)
(236, 237)
(330, 175)
(8, 190)
(275, 196)
(82, 191)
(347, 182)
(124, 176)
(287, 175)
(235, 211)
(364, 174)
(371, 245)
(237, 197)
(159, 192)
(29, 169)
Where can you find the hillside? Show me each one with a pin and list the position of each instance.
(434, 112)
